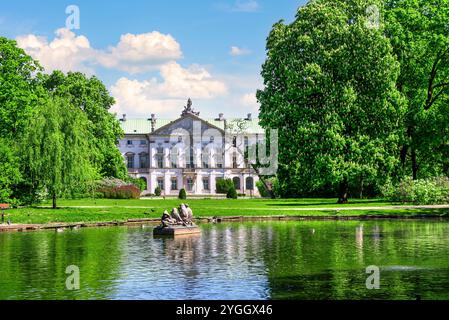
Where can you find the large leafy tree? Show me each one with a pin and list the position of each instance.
(19, 89)
(330, 90)
(419, 33)
(57, 148)
(91, 97)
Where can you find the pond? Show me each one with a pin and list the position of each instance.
(263, 260)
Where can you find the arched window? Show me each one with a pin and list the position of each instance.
(249, 183)
(236, 181)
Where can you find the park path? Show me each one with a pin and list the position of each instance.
(348, 208)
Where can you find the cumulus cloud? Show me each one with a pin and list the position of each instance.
(249, 101)
(133, 53)
(142, 52)
(167, 95)
(236, 51)
(67, 52)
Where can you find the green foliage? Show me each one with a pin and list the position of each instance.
(422, 191)
(9, 171)
(223, 185)
(19, 88)
(232, 193)
(93, 99)
(330, 90)
(140, 183)
(56, 148)
(182, 194)
(262, 190)
(157, 191)
(417, 30)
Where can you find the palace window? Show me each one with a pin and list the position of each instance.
(143, 142)
(249, 183)
(189, 184)
(234, 160)
(160, 183)
(160, 161)
(129, 142)
(130, 160)
(234, 142)
(174, 184)
(206, 186)
(143, 157)
(236, 181)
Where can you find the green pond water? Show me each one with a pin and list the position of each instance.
(266, 260)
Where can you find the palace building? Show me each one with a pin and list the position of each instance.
(191, 152)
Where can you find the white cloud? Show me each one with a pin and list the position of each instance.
(245, 6)
(142, 52)
(236, 51)
(67, 52)
(250, 102)
(167, 96)
(133, 54)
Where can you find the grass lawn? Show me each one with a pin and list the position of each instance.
(103, 210)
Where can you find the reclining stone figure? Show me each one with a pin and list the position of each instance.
(167, 220)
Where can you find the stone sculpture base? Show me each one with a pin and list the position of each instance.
(176, 230)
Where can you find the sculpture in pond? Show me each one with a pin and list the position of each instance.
(183, 217)
(178, 222)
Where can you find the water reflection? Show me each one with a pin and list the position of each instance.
(279, 260)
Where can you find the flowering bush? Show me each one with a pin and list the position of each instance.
(121, 192)
(423, 191)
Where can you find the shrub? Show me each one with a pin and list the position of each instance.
(182, 194)
(157, 191)
(232, 193)
(223, 185)
(121, 192)
(423, 191)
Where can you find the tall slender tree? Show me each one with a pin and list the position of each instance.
(57, 147)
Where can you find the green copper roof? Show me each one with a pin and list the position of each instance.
(143, 126)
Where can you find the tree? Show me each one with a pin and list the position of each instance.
(223, 185)
(56, 146)
(417, 30)
(19, 88)
(182, 194)
(232, 193)
(330, 91)
(9, 171)
(91, 97)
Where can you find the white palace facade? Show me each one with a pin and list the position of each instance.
(191, 152)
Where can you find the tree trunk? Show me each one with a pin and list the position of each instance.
(404, 151)
(343, 193)
(414, 165)
(54, 201)
(270, 190)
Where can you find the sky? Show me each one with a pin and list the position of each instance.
(154, 55)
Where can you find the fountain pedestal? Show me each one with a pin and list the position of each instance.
(176, 230)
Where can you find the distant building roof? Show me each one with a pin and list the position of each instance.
(143, 126)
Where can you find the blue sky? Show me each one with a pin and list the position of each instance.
(153, 55)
